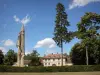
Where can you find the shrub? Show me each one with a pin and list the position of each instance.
(74, 68)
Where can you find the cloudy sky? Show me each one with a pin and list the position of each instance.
(38, 16)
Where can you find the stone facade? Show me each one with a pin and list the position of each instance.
(55, 60)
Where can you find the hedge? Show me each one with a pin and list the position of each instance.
(74, 68)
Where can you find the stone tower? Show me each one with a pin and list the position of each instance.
(21, 47)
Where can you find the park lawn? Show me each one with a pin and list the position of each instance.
(53, 73)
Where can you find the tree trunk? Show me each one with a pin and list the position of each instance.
(86, 56)
(61, 53)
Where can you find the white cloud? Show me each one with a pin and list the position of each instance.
(24, 21)
(52, 46)
(3, 49)
(47, 42)
(16, 18)
(79, 3)
(8, 42)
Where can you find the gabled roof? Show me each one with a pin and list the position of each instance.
(54, 56)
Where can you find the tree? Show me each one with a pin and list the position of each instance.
(96, 47)
(88, 29)
(1, 57)
(78, 52)
(61, 33)
(10, 57)
(34, 57)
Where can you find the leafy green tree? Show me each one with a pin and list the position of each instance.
(34, 57)
(78, 52)
(10, 57)
(27, 57)
(61, 33)
(1, 57)
(88, 29)
(96, 47)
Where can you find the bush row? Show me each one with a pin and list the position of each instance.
(74, 68)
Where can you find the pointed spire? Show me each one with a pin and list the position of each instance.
(22, 29)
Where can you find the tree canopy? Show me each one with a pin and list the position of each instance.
(78, 54)
(1, 57)
(61, 33)
(88, 32)
(34, 57)
(10, 57)
(89, 26)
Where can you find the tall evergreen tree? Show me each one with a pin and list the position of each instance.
(61, 33)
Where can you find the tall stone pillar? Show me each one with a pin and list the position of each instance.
(21, 47)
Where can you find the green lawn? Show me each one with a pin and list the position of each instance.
(56, 73)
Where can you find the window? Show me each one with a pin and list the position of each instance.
(58, 59)
(48, 63)
(45, 63)
(58, 63)
(53, 59)
(45, 59)
(48, 59)
(66, 59)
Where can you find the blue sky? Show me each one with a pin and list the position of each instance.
(39, 17)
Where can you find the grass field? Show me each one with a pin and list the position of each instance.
(56, 73)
